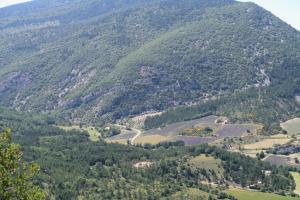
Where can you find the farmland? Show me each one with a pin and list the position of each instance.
(219, 131)
(150, 139)
(292, 126)
(280, 160)
(179, 127)
(241, 194)
(266, 143)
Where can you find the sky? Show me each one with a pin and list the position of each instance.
(4, 3)
(287, 10)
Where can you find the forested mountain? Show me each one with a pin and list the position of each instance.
(80, 81)
(107, 59)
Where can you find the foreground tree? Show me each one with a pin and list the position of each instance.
(16, 175)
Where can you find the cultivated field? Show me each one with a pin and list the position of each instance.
(179, 127)
(236, 130)
(280, 160)
(220, 131)
(292, 126)
(190, 140)
(241, 194)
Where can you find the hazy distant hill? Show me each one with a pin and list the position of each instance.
(115, 58)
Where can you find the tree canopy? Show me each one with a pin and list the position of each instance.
(16, 176)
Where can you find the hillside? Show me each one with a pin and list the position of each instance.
(101, 59)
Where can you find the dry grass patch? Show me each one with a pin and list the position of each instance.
(292, 126)
(267, 143)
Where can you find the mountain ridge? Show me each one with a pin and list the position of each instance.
(122, 63)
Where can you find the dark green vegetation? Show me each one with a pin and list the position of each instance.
(107, 59)
(72, 166)
(16, 176)
(110, 131)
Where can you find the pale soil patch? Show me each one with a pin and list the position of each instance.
(291, 126)
(267, 143)
(150, 139)
(144, 164)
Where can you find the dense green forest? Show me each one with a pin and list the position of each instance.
(72, 166)
(133, 56)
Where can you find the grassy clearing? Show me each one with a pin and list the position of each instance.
(241, 194)
(150, 139)
(94, 134)
(267, 143)
(296, 176)
(208, 163)
(251, 152)
(292, 126)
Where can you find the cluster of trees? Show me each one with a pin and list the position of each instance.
(16, 175)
